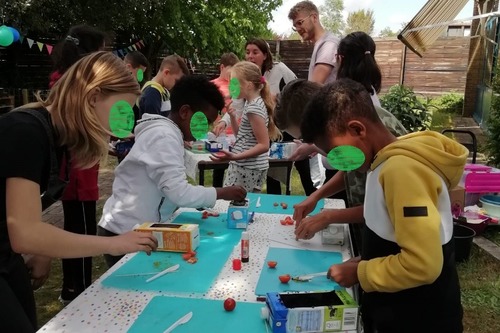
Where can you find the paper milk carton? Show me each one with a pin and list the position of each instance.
(237, 215)
(282, 150)
(173, 237)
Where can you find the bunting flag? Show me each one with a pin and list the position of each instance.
(118, 52)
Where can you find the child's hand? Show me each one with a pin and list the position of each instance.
(219, 128)
(236, 193)
(231, 111)
(132, 241)
(222, 155)
(346, 274)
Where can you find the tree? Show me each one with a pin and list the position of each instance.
(186, 27)
(387, 32)
(331, 15)
(360, 20)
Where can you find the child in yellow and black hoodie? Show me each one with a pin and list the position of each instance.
(407, 267)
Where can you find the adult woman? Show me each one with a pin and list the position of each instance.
(77, 110)
(277, 75)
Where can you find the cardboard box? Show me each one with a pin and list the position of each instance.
(457, 200)
(213, 146)
(173, 237)
(329, 311)
(237, 215)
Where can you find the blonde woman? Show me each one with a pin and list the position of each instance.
(249, 156)
(77, 109)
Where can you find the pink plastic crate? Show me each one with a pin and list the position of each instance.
(482, 182)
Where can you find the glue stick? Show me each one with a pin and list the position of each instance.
(245, 247)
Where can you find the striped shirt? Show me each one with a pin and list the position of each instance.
(246, 139)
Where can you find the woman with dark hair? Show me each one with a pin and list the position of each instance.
(81, 194)
(356, 55)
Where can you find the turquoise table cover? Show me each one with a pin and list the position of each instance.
(297, 262)
(217, 243)
(209, 316)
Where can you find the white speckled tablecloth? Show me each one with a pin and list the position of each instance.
(101, 309)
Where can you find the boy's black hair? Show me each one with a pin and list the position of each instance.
(136, 59)
(80, 41)
(334, 106)
(196, 91)
(357, 50)
(292, 101)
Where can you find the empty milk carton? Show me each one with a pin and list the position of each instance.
(173, 237)
(237, 215)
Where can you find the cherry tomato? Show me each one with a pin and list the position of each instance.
(272, 264)
(229, 304)
(284, 278)
(283, 222)
(192, 253)
(186, 256)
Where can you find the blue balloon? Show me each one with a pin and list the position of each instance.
(15, 33)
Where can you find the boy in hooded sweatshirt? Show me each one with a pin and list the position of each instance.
(150, 183)
(407, 265)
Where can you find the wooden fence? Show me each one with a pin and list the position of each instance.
(442, 69)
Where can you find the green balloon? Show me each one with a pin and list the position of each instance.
(346, 158)
(140, 75)
(6, 36)
(199, 125)
(234, 88)
(121, 119)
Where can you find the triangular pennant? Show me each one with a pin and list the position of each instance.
(40, 46)
(115, 53)
(49, 48)
(124, 51)
(134, 47)
(142, 43)
(30, 42)
(130, 48)
(138, 45)
(21, 39)
(120, 52)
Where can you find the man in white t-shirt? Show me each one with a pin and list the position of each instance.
(322, 68)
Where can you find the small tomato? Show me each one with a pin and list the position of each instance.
(284, 278)
(272, 264)
(187, 256)
(229, 304)
(283, 222)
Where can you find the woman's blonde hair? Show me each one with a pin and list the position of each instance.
(76, 123)
(250, 72)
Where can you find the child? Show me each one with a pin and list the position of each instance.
(151, 183)
(407, 266)
(249, 156)
(80, 197)
(155, 98)
(288, 116)
(81, 122)
(134, 61)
